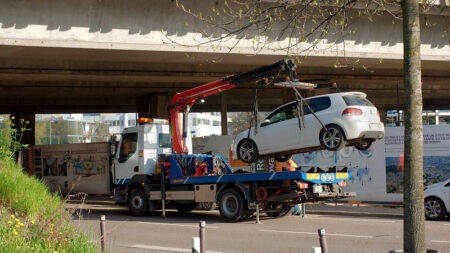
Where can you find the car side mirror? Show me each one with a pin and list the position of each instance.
(265, 123)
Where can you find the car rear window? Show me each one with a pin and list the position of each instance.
(317, 104)
(356, 100)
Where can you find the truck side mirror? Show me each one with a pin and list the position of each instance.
(265, 123)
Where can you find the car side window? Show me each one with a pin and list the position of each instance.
(127, 147)
(317, 104)
(286, 112)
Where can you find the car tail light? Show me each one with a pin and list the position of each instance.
(352, 112)
(342, 184)
(302, 185)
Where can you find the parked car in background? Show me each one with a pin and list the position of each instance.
(350, 120)
(437, 200)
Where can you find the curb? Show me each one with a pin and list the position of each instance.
(359, 214)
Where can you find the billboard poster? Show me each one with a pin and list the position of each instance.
(377, 174)
(436, 156)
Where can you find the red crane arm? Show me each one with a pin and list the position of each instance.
(183, 101)
(186, 99)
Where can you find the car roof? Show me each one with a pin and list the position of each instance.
(355, 93)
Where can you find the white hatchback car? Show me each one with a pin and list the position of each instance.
(437, 200)
(349, 118)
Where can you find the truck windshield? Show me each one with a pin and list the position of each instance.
(164, 141)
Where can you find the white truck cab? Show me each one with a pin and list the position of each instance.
(138, 150)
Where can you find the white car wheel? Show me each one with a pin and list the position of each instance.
(332, 138)
(434, 209)
(247, 151)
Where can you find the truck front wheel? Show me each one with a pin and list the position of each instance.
(231, 205)
(137, 202)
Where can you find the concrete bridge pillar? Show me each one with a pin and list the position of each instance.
(154, 106)
(25, 123)
(224, 113)
(383, 114)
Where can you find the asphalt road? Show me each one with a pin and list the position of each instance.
(289, 234)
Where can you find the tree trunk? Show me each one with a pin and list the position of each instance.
(413, 226)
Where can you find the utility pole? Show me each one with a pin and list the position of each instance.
(414, 221)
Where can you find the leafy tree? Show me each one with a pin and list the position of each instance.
(303, 26)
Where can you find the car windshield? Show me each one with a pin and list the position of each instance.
(356, 100)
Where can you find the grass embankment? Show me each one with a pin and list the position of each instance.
(32, 219)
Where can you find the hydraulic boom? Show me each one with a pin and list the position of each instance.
(183, 101)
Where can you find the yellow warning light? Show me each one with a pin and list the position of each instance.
(145, 120)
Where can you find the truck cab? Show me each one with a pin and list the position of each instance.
(137, 154)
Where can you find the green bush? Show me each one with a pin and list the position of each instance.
(31, 218)
(10, 138)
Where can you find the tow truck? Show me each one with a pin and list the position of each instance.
(150, 172)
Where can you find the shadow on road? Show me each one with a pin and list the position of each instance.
(115, 213)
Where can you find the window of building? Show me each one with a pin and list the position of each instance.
(216, 123)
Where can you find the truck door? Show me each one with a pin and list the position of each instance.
(126, 162)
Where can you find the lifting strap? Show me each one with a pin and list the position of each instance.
(298, 95)
(254, 117)
(300, 110)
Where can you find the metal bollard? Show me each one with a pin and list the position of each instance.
(323, 240)
(202, 237)
(102, 232)
(257, 214)
(303, 210)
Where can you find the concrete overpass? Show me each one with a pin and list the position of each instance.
(114, 56)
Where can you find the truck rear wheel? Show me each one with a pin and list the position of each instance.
(232, 206)
(137, 202)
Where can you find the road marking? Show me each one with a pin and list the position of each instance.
(440, 241)
(447, 224)
(356, 219)
(174, 224)
(160, 248)
(315, 233)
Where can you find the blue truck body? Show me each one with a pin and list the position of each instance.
(183, 168)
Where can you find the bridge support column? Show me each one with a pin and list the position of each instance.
(154, 106)
(25, 124)
(223, 113)
(383, 114)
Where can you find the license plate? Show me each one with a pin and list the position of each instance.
(374, 125)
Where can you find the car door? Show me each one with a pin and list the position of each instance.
(309, 134)
(127, 158)
(279, 131)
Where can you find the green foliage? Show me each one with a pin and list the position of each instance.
(10, 138)
(26, 235)
(13, 186)
(32, 219)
